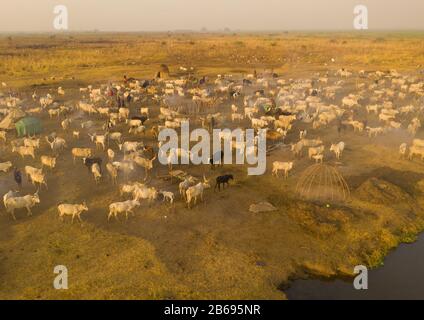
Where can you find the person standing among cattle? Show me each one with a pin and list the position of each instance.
(17, 175)
(212, 124)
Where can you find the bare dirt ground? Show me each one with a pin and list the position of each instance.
(218, 249)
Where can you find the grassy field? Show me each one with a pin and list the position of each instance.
(35, 59)
(218, 250)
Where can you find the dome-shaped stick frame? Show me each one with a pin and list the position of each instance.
(323, 183)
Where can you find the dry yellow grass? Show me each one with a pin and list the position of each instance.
(90, 57)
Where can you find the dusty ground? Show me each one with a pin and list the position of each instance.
(217, 250)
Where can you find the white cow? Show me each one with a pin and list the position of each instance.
(5, 166)
(167, 195)
(24, 151)
(73, 210)
(122, 207)
(143, 192)
(338, 149)
(281, 166)
(12, 203)
(196, 191)
(48, 161)
(95, 169)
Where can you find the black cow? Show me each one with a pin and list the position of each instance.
(88, 162)
(223, 180)
(145, 84)
(143, 119)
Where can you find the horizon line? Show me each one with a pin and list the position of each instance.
(218, 31)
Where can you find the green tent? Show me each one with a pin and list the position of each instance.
(28, 126)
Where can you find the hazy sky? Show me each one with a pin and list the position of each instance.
(164, 15)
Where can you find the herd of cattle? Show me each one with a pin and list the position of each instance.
(117, 123)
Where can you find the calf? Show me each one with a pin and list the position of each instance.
(95, 169)
(338, 149)
(224, 180)
(313, 151)
(89, 162)
(48, 161)
(284, 166)
(318, 158)
(110, 154)
(167, 195)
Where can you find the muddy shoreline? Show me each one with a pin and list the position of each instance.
(403, 257)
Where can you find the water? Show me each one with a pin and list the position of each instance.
(401, 277)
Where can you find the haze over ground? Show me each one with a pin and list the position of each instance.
(241, 15)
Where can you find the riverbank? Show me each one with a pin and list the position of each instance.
(401, 277)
